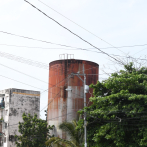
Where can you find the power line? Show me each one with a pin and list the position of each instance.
(39, 64)
(27, 74)
(60, 90)
(27, 61)
(51, 101)
(24, 60)
(72, 48)
(56, 84)
(96, 120)
(130, 57)
(125, 46)
(50, 89)
(73, 33)
(36, 39)
(139, 51)
(23, 73)
(94, 74)
(77, 25)
(56, 94)
(20, 82)
(31, 77)
(67, 114)
(47, 120)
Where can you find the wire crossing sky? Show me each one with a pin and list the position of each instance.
(118, 24)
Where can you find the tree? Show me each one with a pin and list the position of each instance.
(118, 115)
(34, 132)
(75, 137)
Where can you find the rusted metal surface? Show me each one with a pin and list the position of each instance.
(63, 105)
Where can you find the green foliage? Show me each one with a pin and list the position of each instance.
(34, 132)
(1, 119)
(74, 135)
(58, 142)
(118, 115)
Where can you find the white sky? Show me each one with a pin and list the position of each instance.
(121, 23)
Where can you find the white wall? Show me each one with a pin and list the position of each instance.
(17, 102)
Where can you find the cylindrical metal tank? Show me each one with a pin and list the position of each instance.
(62, 104)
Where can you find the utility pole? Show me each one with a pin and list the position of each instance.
(86, 90)
(85, 122)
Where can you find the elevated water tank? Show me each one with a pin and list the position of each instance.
(63, 104)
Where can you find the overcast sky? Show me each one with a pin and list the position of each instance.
(116, 23)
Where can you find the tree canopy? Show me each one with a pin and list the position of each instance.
(118, 115)
(34, 132)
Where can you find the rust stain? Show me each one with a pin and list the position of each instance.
(59, 71)
(26, 94)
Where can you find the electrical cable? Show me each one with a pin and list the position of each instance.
(57, 83)
(35, 47)
(36, 63)
(3, 54)
(23, 73)
(56, 94)
(23, 60)
(131, 57)
(72, 92)
(79, 25)
(139, 51)
(51, 101)
(71, 48)
(89, 122)
(137, 45)
(47, 120)
(36, 39)
(20, 82)
(74, 33)
(33, 86)
(50, 89)
(82, 70)
(67, 114)
(128, 118)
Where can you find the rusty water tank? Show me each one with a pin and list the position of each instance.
(63, 105)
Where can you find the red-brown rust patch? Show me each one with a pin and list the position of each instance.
(58, 81)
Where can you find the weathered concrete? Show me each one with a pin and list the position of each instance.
(17, 101)
(63, 105)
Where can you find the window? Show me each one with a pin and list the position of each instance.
(5, 125)
(6, 112)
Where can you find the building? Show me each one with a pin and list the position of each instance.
(63, 105)
(2, 106)
(15, 102)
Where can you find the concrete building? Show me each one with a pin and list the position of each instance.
(14, 102)
(63, 105)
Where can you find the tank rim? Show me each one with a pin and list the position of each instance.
(73, 60)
